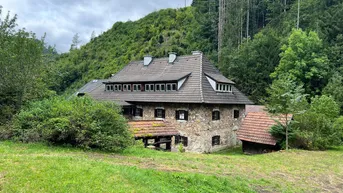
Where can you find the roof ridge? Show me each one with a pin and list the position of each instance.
(201, 75)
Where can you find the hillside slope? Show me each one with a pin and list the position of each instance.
(156, 34)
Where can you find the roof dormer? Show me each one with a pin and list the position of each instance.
(219, 82)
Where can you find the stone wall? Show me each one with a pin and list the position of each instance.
(200, 128)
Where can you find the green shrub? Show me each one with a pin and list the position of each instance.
(315, 127)
(80, 122)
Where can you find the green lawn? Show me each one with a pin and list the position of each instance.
(40, 168)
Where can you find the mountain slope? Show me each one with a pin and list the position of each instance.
(156, 34)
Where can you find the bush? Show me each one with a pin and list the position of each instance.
(315, 127)
(80, 122)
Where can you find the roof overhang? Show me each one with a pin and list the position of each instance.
(153, 128)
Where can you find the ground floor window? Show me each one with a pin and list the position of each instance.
(181, 140)
(216, 140)
(138, 112)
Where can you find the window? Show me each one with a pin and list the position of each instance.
(127, 87)
(163, 87)
(174, 87)
(157, 87)
(108, 87)
(181, 139)
(119, 87)
(149, 87)
(181, 115)
(235, 114)
(138, 112)
(115, 87)
(223, 87)
(136, 87)
(160, 113)
(169, 87)
(215, 115)
(216, 140)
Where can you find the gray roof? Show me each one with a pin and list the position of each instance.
(90, 86)
(196, 89)
(136, 72)
(219, 78)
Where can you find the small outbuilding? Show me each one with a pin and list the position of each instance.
(156, 133)
(254, 133)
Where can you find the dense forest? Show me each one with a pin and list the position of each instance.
(262, 45)
(243, 38)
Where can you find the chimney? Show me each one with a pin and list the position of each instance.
(147, 60)
(196, 52)
(172, 57)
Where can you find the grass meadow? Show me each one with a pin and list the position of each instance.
(42, 168)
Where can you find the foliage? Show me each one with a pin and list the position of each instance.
(304, 61)
(250, 65)
(21, 68)
(316, 129)
(79, 122)
(335, 89)
(285, 98)
(279, 132)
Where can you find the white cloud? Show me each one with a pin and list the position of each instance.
(61, 19)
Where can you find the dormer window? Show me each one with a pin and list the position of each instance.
(136, 87)
(127, 87)
(163, 87)
(223, 87)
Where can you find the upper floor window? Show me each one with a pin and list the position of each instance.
(181, 115)
(160, 113)
(149, 87)
(171, 87)
(216, 140)
(223, 87)
(215, 115)
(136, 87)
(235, 114)
(127, 87)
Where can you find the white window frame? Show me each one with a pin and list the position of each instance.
(164, 85)
(223, 87)
(157, 86)
(149, 87)
(173, 84)
(169, 84)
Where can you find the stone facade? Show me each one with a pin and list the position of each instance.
(200, 128)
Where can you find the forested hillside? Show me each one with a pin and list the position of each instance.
(156, 34)
(244, 38)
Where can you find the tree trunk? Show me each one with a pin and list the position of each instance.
(286, 131)
(284, 5)
(298, 17)
(248, 17)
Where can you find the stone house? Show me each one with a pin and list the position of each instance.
(188, 92)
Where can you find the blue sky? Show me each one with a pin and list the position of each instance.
(61, 19)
